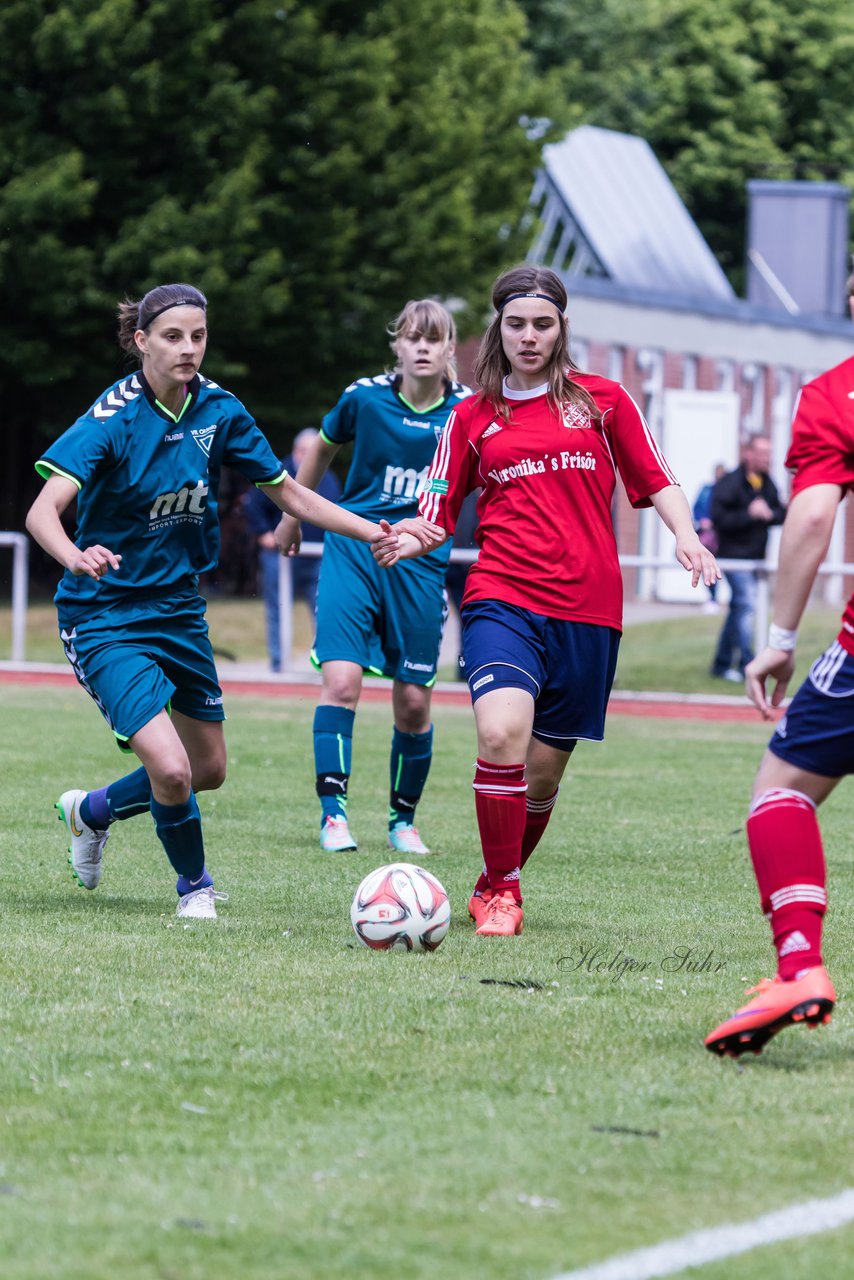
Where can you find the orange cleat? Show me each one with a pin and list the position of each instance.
(502, 918)
(809, 999)
(478, 902)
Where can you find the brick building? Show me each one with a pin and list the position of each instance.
(650, 307)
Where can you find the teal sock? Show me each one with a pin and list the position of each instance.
(411, 757)
(179, 829)
(333, 758)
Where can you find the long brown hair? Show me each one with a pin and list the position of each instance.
(492, 366)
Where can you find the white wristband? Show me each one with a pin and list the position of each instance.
(782, 638)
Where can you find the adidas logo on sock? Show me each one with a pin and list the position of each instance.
(795, 942)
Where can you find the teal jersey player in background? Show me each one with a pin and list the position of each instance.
(144, 464)
(367, 620)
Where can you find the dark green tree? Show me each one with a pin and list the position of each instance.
(309, 165)
(723, 92)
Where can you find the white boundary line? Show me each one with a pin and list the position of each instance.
(695, 1250)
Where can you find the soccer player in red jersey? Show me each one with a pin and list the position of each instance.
(813, 745)
(542, 609)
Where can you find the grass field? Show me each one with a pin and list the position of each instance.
(263, 1098)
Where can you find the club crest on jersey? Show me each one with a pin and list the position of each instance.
(574, 416)
(204, 438)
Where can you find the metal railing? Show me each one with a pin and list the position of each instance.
(20, 578)
(765, 571)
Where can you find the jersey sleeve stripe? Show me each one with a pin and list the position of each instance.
(650, 439)
(276, 480)
(438, 469)
(46, 469)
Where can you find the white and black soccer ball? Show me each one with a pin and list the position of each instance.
(400, 908)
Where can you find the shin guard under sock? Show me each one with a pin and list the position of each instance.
(788, 860)
(409, 765)
(179, 829)
(333, 758)
(501, 814)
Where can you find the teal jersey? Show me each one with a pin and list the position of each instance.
(393, 445)
(149, 487)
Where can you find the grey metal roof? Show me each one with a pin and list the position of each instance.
(628, 212)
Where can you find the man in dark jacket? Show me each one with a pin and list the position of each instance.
(745, 504)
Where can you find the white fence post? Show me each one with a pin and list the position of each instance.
(20, 579)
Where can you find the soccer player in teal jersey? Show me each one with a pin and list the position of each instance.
(144, 464)
(369, 621)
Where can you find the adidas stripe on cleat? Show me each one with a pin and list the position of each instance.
(809, 999)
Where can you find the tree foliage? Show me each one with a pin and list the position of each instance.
(723, 91)
(310, 165)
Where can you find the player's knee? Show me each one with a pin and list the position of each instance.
(499, 741)
(209, 776)
(172, 777)
(341, 691)
(412, 713)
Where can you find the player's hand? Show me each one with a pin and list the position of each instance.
(700, 562)
(428, 534)
(288, 535)
(385, 545)
(94, 562)
(779, 665)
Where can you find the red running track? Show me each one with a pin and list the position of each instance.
(621, 704)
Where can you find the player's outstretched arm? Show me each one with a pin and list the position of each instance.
(672, 506)
(304, 504)
(44, 524)
(803, 546)
(311, 471)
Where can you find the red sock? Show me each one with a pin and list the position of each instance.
(499, 794)
(788, 860)
(538, 814)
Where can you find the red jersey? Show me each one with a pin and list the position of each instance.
(822, 448)
(546, 534)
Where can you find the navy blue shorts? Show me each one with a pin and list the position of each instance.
(567, 667)
(138, 658)
(817, 731)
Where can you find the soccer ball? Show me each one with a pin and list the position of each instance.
(400, 908)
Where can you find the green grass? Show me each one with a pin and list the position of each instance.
(263, 1098)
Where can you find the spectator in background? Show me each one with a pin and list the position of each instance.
(262, 517)
(745, 504)
(702, 516)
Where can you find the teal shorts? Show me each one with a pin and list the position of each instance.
(140, 657)
(388, 621)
